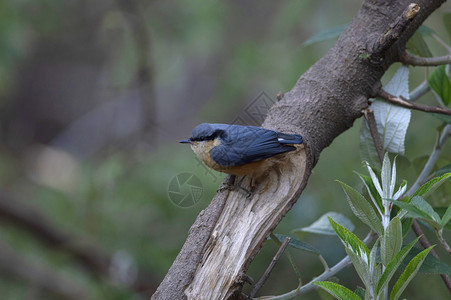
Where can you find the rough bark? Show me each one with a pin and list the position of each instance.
(325, 101)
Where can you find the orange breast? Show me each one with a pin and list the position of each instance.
(246, 169)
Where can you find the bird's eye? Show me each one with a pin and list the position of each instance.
(218, 133)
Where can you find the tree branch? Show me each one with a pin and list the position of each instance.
(369, 116)
(397, 28)
(414, 60)
(399, 101)
(275, 259)
(325, 102)
(419, 91)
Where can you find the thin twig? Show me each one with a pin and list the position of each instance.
(440, 142)
(346, 261)
(408, 104)
(265, 276)
(419, 91)
(423, 239)
(369, 116)
(426, 244)
(414, 60)
(293, 265)
(324, 262)
(443, 241)
(276, 240)
(441, 42)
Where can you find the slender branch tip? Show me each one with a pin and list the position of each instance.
(413, 60)
(400, 101)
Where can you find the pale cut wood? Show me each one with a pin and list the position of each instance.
(243, 224)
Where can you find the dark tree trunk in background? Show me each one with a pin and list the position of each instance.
(325, 102)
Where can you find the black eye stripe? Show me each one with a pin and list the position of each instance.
(202, 138)
(217, 133)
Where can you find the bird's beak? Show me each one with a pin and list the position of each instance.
(187, 141)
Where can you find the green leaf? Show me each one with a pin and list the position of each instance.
(443, 170)
(392, 266)
(359, 291)
(325, 35)
(446, 217)
(408, 274)
(350, 239)
(418, 46)
(431, 265)
(295, 243)
(360, 262)
(413, 211)
(399, 189)
(362, 208)
(391, 241)
(371, 189)
(420, 209)
(386, 176)
(431, 185)
(337, 290)
(325, 295)
(374, 269)
(322, 225)
(423, 205)
(440, 82)
(441, 211)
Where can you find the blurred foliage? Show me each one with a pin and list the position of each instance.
(68, 68)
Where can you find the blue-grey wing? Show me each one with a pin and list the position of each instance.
(244, 144)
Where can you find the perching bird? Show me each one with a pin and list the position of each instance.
(239, 150)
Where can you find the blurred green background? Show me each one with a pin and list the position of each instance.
(95, 96)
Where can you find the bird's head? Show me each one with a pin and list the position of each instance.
(205, 132)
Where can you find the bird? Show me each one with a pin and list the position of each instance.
(240, 150)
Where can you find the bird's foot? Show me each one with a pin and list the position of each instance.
(231, 187)
(236, 186)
